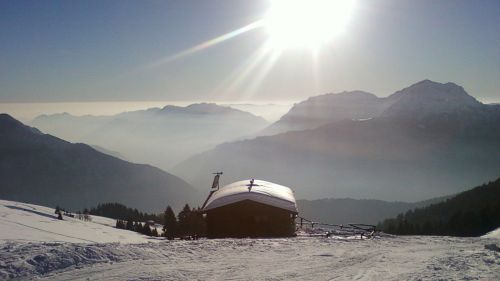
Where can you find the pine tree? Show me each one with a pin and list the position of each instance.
(146, 230)
(169, 224)
(154, 232)
(130, 225)
(185, 221)
(120, 224)
(199, 224)
(138, 227)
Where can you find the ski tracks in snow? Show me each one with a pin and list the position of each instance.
(301, 258)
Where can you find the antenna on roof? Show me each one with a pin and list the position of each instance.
(215, 184)
(214, 188)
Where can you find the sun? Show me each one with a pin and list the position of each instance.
(306, 23)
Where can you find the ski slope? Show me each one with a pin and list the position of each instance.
(48, 249)
(33, 223)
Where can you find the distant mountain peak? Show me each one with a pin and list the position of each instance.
(427, 98)
(345, 95)
(429, 89)
(323, 109)
(64, 114)
(428, 82)
(8, 123)
(356, 93)
(208, 108)
(212, 109)
(197, 108)
(4, 118)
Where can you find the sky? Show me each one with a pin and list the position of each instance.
(92, 51)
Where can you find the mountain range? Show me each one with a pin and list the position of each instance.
(420, 100)
(76, 176)
(158, 136)
(348, 210)
(42, 169)
(424, 141)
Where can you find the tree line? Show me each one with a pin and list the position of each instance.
(121, 212)
(143, 228)
(470, 213)
(188, 224)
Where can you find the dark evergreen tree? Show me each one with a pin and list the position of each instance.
(146, 230)
(185, 222)
(121, 224)
(199, 224)
(154, 232)
(169, 223)
(138, 227)
(130, 225)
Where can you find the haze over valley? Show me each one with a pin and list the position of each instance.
(344, 145)
(439, 139)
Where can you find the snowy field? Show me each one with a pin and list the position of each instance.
(71, 255)
(28, 222)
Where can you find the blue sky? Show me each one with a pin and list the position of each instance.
(54, 51)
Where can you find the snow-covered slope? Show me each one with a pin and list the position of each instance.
(387, 258)
(33, 223)
(35, 245)
(493, 234)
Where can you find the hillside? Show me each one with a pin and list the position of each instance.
(389, 157)
(24, 222)
(42, 169)
(346, 210)
(158, 136)
(471, 213)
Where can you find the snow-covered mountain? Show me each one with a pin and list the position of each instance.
(158, 136)
(320, 110)
(448, 145)
(42, 169)
(427, 98)
(420, 100)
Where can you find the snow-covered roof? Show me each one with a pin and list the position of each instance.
(260, 191)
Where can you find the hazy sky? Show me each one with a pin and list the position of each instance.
(110, 51)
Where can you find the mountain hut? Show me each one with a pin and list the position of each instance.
(250, 208)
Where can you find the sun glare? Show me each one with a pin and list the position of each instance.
(306, 23)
